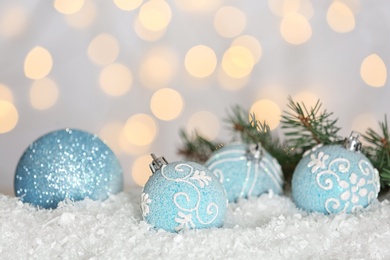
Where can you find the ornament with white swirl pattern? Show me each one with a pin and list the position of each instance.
(246, 171)
(182, 195)
(67, 164)
(335, 178)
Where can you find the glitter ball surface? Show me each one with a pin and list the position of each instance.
(67, 164)
(183, 195)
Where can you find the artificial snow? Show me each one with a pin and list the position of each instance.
(268, 227)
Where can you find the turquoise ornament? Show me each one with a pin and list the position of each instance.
(335, 178)
(67, 164)
(246, 170)
(182, 195)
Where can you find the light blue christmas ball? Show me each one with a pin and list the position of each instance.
(67, 164)
(332, 179)
(183, 195)
(242, 174)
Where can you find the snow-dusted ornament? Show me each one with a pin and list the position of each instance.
(335, 178)
(246, 171)
(182, 195)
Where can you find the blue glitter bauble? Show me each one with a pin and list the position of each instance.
(67, 164)
(183, 195)
(332, 179)
(243, 176)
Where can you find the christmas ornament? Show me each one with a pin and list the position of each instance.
(182, 195)
(67, 164)
(246, 170)
(335, 178)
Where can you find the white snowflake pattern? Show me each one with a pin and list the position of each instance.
(185, 221)
(318, 162)
(201, 177)
(356, 191)
(145, 201)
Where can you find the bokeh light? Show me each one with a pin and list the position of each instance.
(251, 43)
(38, 63)
(6, 94)
(268, 111)
(155, 15)
(229, 21)
(140, 129)
(116, 79)
(238, 62)
(197, 5)
(200, 61)
(83, 18)
(129, 148)
(68, 6)
(8, 116)
(282, 8)
(110, 134)
(204, 123)
(373, 71)
(295, 29)
(103, 49)
(145, 34)
(43, 93)
(140, 170)
(166, 104)
(158, 68)
(340, 17)
(13, 21)
(128, 5)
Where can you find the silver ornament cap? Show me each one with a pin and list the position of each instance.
(255, 152)
(157, 163)
(352, 142)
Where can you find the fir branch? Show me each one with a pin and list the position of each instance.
(379, 150)
(252, 130)
(197, 148)
(309, 127)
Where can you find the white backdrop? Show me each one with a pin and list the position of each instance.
(101, 66)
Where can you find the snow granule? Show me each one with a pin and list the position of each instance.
(268, 227)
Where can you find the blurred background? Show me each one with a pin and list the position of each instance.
(135, 72)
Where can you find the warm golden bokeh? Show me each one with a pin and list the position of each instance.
(44, 94)
(295, 29)
(268, 111)
(340, 17)
(373, 71)
(103, 49)
(238, 62)
(166, 104)
(140, 170)
(116, 79)
(140, 129)
(155, 15)
(200, 61)
(6, 93)
(198, 5)
(13, 21)
(38, 63)
(229, 21)
(8, 116)
(251, 43)
(68, 6)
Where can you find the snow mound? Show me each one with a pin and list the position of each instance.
(268, 227)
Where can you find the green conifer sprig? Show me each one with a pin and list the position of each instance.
(197, 148)
(378, 150)
(309, 127)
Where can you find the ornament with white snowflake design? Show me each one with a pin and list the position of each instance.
(335, 178)
(182, 195)
(246, 170)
